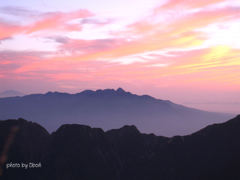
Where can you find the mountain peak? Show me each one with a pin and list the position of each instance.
(120, 90)
(125, 130)
(114, 92)
(130, 129)
(238, 116)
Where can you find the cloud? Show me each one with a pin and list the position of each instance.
(5, 39)
(58, 21)
(12, 61)
(180, 32)
(170, 4)
(7, 30)
(86, 47)
(59, 39)
(95, 21)
(51, 21)
(18, 11)
(170, 51)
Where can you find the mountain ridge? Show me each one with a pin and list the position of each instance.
(108, 109)
(80, 152)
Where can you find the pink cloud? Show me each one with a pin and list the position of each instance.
(58, 21)
(187, 3)
(7, 30)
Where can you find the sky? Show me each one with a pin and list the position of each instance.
(181, 50)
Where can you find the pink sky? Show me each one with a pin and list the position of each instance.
(182, 50)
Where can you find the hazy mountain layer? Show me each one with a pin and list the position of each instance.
(108, 109)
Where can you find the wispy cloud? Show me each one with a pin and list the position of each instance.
(51, 21)
(171, 4)
(18, 11)
(58, 21)
(7, 29)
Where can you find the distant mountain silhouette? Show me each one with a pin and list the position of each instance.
(80, 152)
(108, 109)
(10, 93)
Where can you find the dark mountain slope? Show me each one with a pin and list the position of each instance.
(80, 152)
(22, 141)
(108, 109)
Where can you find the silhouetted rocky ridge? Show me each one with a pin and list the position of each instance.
(76, 152)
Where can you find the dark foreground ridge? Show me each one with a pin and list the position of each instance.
(76, 152)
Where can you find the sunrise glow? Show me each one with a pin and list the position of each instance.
(183, 50)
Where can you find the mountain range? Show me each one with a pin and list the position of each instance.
(108, 109)
(80, 152)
